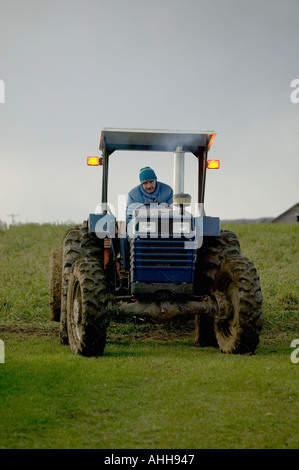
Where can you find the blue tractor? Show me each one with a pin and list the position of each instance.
(181, 262)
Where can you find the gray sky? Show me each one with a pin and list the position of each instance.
(72, 67)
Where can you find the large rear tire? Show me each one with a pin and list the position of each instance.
(78, 244)
(88, 307)
(209, 260)
(239, 296)
(55, 277)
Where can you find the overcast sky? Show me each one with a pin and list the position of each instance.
(73, 67)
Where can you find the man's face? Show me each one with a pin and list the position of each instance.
(149, 186)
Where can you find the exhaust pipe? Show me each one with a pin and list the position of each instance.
(178, 171)
(179, 197)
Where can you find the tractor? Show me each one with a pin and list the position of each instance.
(181, 262)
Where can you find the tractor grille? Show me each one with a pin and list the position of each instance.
(159, 260)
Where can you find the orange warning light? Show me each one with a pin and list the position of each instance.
(213, 164)
(94, 161)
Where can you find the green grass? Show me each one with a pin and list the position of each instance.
(146, 395)
(24, 271)
(274, 249)
(152, 389)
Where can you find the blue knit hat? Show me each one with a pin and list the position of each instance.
(147, 174)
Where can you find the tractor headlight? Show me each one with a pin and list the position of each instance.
(181, 227)
(147, 227)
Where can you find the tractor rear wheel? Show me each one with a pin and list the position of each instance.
(238, 293)
(55, 273)
(78, 244)
(209, 260)
(88, 307)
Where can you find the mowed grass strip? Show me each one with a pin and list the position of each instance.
(146, 395)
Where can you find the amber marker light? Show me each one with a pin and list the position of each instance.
(94, 161)
(213, 164)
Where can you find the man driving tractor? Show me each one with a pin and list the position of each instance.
(149, 190)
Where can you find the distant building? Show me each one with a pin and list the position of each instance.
(290, 216)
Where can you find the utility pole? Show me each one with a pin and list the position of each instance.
(12, 217)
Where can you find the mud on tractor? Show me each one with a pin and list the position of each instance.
(181, 263)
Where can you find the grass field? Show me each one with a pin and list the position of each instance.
(152, 389)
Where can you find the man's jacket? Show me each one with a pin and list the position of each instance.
(163, 193)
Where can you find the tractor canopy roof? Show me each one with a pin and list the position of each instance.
(155, 140)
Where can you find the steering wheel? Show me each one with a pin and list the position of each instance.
(149, 203)
(164, 204)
